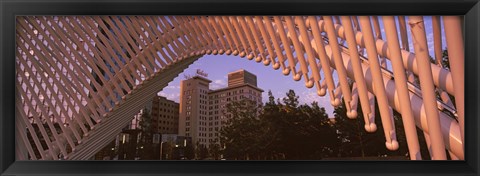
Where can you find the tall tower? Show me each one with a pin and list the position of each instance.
(202, 111)
(241, 77)
(194, 109)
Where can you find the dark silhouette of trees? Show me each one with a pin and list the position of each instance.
(357, 142)
(146, 139)
(282, 130)
(285, 129)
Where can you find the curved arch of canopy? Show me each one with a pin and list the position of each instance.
(82, 79)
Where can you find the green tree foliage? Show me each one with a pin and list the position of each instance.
(190, 151)
(356, 142)
(242, 133)
(201, 151)
(285, 129)
(282, 130)
(146, 140)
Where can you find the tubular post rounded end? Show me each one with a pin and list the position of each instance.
(321, 92)
(309, 84)
(392, 146)
(353, 114)
(372, 127)
(235, 53)
(286, 71)
(250, 56)
(276, 66)
(243, 54)
(266, 62)
(297, 77)
(336, 102)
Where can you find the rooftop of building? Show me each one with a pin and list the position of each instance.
(201, 78)
(165, 99)
(241, 71)
(237, 86)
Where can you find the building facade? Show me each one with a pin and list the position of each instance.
(165, 115)
(202, 110)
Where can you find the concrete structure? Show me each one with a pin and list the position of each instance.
(93, 74)
(241, 77)
(202, 111)
(165, 115)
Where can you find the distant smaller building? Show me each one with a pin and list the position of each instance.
(165, 114)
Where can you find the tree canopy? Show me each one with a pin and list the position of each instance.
(286, 129)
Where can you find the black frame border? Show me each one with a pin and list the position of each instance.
(11, 8)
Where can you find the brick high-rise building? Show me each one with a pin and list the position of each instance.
(202, 110)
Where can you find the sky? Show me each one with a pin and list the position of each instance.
(218, 66)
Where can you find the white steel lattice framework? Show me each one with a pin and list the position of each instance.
(82, 79)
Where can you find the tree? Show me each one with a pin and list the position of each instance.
(201, 151)
(241, 134)
(356, 142)
(189, 151)
(146, 139)
(282, 130)
(214, 150)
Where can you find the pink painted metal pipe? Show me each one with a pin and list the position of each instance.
(453, 33)
(427, 86)
(375, 69)
(401, 84)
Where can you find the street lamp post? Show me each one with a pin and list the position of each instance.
(161, 146)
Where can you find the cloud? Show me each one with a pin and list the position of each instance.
(171, 96)
(217, 84)
(309, 96)
(172, 87)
